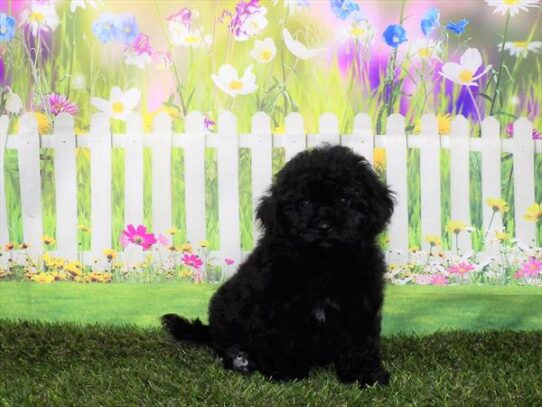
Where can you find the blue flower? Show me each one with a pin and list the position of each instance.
(344, 9)
(394, 35)
(127, 29)
(459, 27)
(104, 28)
(7, 27)
(430, 20)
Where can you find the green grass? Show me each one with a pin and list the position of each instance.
(407, 309)
(63, 364)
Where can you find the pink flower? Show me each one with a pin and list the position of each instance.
(141, 45)
(183, 16)
(163, 240)
(229, 261)
(530, 268)
(208, 123)
(423, 279)
(461, 268)
(60, 104)
(137, 236)
(242, 12)
(439, 279)
(509, 130)
(192, 260)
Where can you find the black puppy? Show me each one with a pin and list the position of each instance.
(311, 292)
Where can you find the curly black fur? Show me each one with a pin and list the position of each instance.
(311, 292)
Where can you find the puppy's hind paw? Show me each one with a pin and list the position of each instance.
(238, 361)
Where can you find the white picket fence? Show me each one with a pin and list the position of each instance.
(260, 141)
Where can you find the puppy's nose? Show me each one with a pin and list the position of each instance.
(324, 227)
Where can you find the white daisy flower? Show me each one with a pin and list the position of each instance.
(120, 104)
(464, 72)
(511, 6)
(253, 25)
(264, 51)
(361, 31)
(425, 48)
(299, 49)
(228, 81)
(41, 16)
(522, 48)
(83, 4)
(185, 36)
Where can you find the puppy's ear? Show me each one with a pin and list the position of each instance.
(266, 211)
(381, 199)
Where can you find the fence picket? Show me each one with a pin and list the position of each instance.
(66, 187)
(396, 146)
(430, 179)
(262, 165)
(30, 181)
(4, 231)
(491, 181)
(294, 140)
(194, 182)
(362, 138)
(133, 171)
(329, 131)
(228, 187)
(459, 179)
(100, 186)
(523, 180)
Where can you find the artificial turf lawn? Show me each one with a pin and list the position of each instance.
(70, 364)
(407, 309)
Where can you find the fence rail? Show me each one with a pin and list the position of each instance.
(261, 142)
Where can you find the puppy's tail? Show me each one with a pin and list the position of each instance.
(184, 330)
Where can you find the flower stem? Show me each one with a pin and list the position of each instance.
(475, 104)
(176, 71)
(499, 73)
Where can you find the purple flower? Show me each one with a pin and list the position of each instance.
(60, 104)
(104, 28)
(208, 122)
(229, 261)
(183, 16)
(430, 20)
(509, 131)
(394, 35)
(7, 27)
(459, 27)
(242, 12)
(126, 28)
(141, 45)
(192, 260)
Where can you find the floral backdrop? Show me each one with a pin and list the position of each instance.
(312, 56)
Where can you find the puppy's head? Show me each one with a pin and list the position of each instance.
(325, 197)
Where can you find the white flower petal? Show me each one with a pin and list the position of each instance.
(131, 98)
(101, 104)
(471, 59)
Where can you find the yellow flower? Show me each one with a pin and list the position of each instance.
(44, 124)
(379, 158)
(534, 212)
(80, 131)
(186, 273)
(498, 205)
(172, 231)
(456, 226)
(279, 130)
(83, 228)
(502, 236)
(186, 248)
(433, 240)
(110, 254)
(4, 273)
(48, 240)
(74, 268)
(444, 125)
(204, 243)
(24, 246)
(43, 278)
